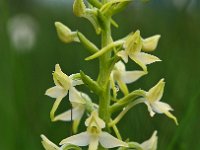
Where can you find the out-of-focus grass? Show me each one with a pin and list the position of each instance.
(26, 76)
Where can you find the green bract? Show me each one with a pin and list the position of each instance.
(108, 108)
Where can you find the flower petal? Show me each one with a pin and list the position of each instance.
(171, 116)
(94, 142)
(150, 43)
(120, 66)
(109, 141)
(61, 79)
(161, 107)
(77, 113)
(55, 106)
(152, 113)
(156, 92)
(75, 96)
(56, 92)
(123, 55)
(47, 144)
(146, 58)
(132, 76)
(150, 144)
(81, 139)
(94, 120)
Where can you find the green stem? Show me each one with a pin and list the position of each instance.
(104, 76)
(125, 110)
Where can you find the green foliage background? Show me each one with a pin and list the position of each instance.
(24, 110)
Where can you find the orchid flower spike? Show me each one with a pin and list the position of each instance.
(63, 84)
(153, 103)
(123, 77)
(133, 46)
(47, 144)
(94, 135)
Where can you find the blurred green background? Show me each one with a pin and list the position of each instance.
(26, 70)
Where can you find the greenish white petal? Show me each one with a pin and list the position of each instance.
(151, 144)
(77, 113)
(94, 142)
(61, 79)
(156, 92)
(149, 44)
(132, 76)
(123, 55)
(95, 120)
(55, 107)
(109, 141)
(47, 144)
(146, 58)
(75, 96)
(56, 92)
(81, 139)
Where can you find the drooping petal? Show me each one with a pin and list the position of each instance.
(156, 92)
(55, 106)
(56, 92)
(152, 113)
(94, 142)
(132, 76)
(150, 144)
(47, 144)
(77, 113)
(123, 86)
(81, 139)
(161, 107)
(109, 141)
(123, 55)
(75, 96)
(171, 116)
(76, 125)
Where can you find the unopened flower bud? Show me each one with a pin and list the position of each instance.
(79, 8)
(65, 34)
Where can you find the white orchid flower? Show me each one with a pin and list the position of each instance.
(94, 135)
(133, 46)
(80, 101)
(123, 77)
(152, 100)
(150, 144)
(48, 145)
(63, 84)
